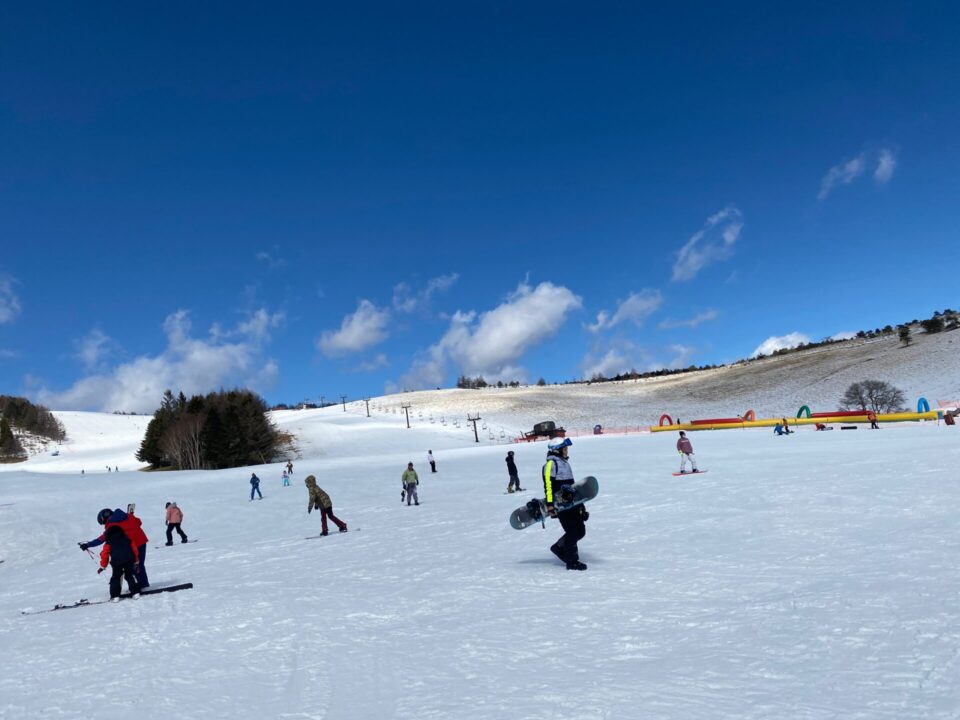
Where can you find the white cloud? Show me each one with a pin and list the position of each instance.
(612, 362)
(271, 259)
(774, 343)
(406, 300)
(92, 348)
(9, 301)
(843, 174)
(187, 364)
(492, 343)
(358, 331)
(693, 322)
(377, 363)
(845, 335)
(712, 243)
(635, 309)
(681, 356)
(886, 164)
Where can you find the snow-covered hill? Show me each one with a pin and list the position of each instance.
(812, 576)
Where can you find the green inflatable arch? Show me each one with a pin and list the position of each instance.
(803, 412)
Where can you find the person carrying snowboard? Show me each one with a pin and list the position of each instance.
(514, 484)
(410, 482)
(319, 500)
(131, 526)
(685, 449)
(121, 554)
(174, 518)
(558, 487)
(255, 486)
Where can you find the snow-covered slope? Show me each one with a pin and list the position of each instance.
(813, 576)
(930, 367)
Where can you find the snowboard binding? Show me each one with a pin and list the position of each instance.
(536, 511)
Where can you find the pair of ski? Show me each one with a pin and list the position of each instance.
(84, 602)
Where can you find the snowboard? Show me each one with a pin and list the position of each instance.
(314, 537)
(690, 472)
(178, 542)
(535, 511)
(84, 602)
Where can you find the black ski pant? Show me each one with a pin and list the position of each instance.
(170, 528)
(514, 482)
(573, 531)
(123, 572)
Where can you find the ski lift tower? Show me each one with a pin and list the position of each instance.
(471, 418)
(406, 411)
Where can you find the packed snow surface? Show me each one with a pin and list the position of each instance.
(809, 576)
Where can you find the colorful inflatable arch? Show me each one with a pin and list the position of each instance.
(749, 416)
(923, 405)
(667, 418)
(803, 412)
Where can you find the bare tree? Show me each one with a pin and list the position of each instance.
(875, 395)
(182, 443)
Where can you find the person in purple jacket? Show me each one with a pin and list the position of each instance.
(685, 448)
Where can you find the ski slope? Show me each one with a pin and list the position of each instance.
(810, 576)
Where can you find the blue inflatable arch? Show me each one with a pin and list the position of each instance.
(923, 405)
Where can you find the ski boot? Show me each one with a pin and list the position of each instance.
(576, 565)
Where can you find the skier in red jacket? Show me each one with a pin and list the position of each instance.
(685, 448)
(131, 525)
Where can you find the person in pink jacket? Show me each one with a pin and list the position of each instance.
(174, 518)
(685, 448)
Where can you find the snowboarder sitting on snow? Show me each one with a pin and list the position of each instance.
(685, 449)
(131, 526)
(514, 484)
(121, 554)
(410, 482)
(778, 429)
(255, 486)
(174, 518)
(319, 500)
(558, 487)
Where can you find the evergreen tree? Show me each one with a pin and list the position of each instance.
(10, 447)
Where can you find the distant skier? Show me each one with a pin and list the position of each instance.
(433, 463)
(289, 467)
(410, 482)
(131, 526)
(319, 500)
(872, 417)
(558, 486)
(121, 554)
(286, 479)
(778, 429)
(685, 449)
(255, 486)
(514, 484)
(786, 426)
(174, 518)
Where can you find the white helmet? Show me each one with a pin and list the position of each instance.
(555, 444)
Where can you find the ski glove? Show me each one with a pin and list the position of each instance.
(551, 511)
(585, 514)
(83, 546)
(309, 509)
(100, 570)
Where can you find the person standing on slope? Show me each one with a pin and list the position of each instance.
(255, 486)
(319, 500)
(685, 448)
(121, 554)
(433, 463)
(131, 526)
(558, 487)
(174, 518)
(140, 538)
(514, 484)
(410, 482)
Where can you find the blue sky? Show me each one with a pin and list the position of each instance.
(318, 200)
